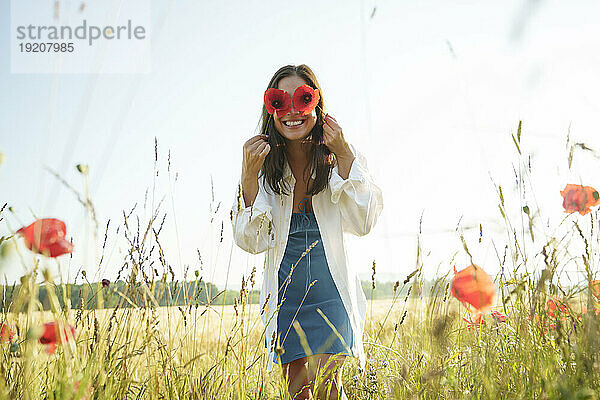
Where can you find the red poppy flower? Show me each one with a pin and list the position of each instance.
(475, 322)
(498, 316)
(47, 236)
(579, 198)
(277, 99)
(305, 99)
(6, 334)
(548, 328)
(552, 305)
(596, 289)
(51, 337)
(473, 286)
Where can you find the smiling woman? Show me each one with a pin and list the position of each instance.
(296, 128)
(314, 306)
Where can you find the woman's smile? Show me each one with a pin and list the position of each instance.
(293, 123)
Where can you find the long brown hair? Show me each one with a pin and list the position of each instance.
(322, 158)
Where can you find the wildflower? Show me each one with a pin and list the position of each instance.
(476, 322)
(277, 99)
(552, 305)
(596, 289)
(385, 363)
(6, 334)
(105, 283)
(579, 198)
(473, 286)
(498, 316)
(355, 378)
(305, 99)
(47, 236)
(51, 337)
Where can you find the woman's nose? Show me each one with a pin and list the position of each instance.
(293, 110)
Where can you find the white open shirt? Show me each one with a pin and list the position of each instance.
(352, 205)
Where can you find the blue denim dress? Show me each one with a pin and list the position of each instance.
(299, 299)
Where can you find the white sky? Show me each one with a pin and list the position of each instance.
(430, 91)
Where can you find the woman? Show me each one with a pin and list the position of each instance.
(301, 149)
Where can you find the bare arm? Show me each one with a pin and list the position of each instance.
(345, 160)
(249, 189)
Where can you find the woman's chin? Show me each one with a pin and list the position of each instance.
(295, 135)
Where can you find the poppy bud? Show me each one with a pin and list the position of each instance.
(14, 347)
(6, 248)
(82, 168)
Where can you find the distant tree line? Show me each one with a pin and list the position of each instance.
(122, 294)
(139, 294)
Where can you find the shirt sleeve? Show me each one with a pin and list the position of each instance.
(253, 229)
(360, 200)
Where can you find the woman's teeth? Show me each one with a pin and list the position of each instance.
(293, 123)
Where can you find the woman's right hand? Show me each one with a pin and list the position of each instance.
(255, 152)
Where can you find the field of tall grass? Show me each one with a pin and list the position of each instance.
(542, 342)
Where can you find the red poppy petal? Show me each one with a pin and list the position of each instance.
(579, 198)
(473, 286)
(51, 348)
(273, 95)
(596, 289)
(43, 233)
(59, 248)
(50, 334)
(286, 107)
(6, 334)
(299, 99)
(269, 94)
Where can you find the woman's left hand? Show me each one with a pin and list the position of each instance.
(334, 138)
